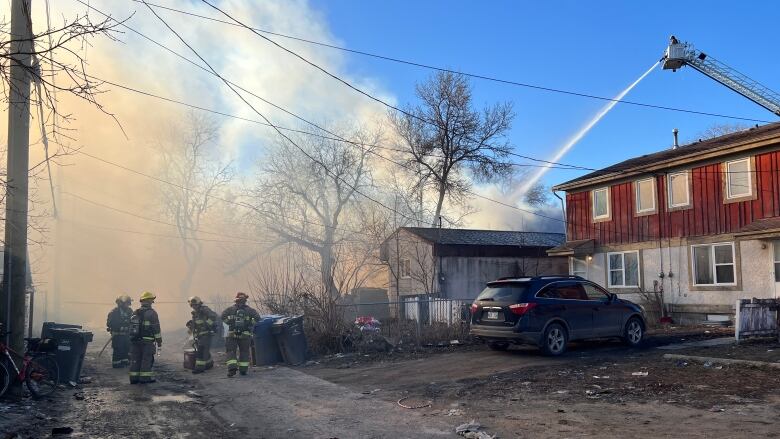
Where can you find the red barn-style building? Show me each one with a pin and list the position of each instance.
(698, 225)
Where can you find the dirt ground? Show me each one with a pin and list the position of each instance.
(598, 389)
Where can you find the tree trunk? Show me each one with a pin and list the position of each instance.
(326, 271)
(439, 204)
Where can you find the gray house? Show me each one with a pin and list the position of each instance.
(456, 263)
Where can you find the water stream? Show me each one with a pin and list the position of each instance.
(578, 136)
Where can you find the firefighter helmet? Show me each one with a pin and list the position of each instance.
(147, 296)
(241, 297)
(124, 298)
(195, 300)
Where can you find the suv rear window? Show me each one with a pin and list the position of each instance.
(503, 292)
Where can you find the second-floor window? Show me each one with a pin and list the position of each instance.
(678, 189)
(623, 269)
(600, 203)
(645, 195)
(739, 181)
(405, 268)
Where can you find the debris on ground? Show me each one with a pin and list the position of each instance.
(472, 430)
(455, 412)
(61, 431)
(640, 374)
(79, 396)
(412, 407)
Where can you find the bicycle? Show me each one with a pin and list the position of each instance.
(39, 370)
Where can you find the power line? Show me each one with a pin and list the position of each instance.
(160, 235)
(215, 197)
(446, 70)
(292, 142)
(133, 214)
(238, 86)
(357, 143)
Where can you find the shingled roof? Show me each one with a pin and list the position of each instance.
(724, 142)
(487, 237)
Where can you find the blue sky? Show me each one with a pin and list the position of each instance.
(591, 47)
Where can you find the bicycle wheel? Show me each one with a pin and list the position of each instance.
(5, 378)
(42, 376)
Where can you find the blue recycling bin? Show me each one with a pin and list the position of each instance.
(266, 348)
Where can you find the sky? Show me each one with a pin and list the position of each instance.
(588, 47)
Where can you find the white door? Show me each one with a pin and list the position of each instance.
(776, 266)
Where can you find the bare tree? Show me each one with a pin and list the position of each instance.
(450, 142)
(720, 129)
(312, 198)
(190, 161)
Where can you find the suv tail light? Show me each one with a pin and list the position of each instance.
(473, 308)
(521, 308)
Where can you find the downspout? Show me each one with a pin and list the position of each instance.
(563, 208)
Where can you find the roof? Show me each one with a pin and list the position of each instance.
(766, 227)
(573, 248)
(487, 237)
(691, 150)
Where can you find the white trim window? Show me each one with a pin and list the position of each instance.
(714, 264)
(645, 195)
(579, 267)
(678, 188)
(739, 179)
(623, 269)
(405, 268)
(600, 198)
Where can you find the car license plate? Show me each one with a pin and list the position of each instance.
(492, 315)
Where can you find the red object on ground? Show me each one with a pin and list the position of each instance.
(665, 320)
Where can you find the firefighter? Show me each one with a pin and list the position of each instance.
(202, 326)
(144, 333)
(118, 324)
(240, 319)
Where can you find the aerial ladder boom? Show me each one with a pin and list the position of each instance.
(680, 54)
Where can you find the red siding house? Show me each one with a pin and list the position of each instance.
(698, 225)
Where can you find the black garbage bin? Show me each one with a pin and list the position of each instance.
(48, 326)
(266, 348)
(291, 339)
(71, 348)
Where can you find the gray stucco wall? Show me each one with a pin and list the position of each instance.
(465, 278)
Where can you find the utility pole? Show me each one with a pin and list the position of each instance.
(15, 251)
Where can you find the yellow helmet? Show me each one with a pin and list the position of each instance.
(195, 300)
(147, 296)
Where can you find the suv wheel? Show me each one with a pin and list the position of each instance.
(634, 332)
(498, 346)
(554, 340)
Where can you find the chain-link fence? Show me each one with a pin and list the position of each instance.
(414, 320)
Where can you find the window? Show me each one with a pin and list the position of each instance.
(595, 293)
(579, 267)
(600, 198)
(776, 246)
(678, 189)
(738, 179)
(623, 269)
(645, 195)
(405, 268)
(563, 290)
(713, 264)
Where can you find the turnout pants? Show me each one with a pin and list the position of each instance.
(203, 359)
(141, 361)
(242, 344)
(120, 345)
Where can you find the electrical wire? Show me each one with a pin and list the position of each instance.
(458, 72)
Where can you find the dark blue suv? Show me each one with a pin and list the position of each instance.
(549, 311)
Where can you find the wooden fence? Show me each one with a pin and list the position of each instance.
(756, 318)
